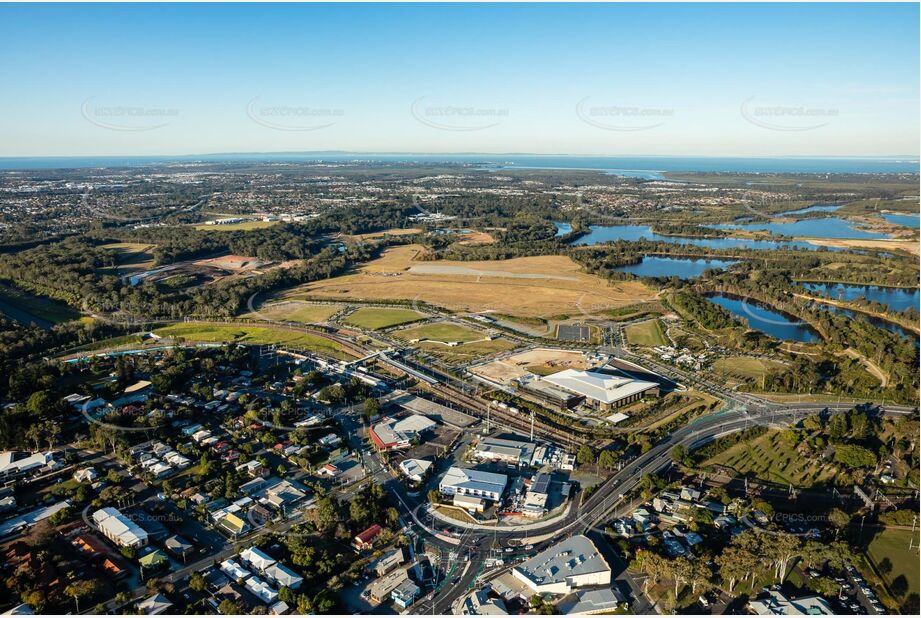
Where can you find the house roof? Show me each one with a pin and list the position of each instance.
(369, 535)
(156, 604)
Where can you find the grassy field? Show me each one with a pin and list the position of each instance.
(772, 459)
(468, 351)
(649, 334)
(130, 257)
(236, 227)
(747, 368)
(27, 308)
(528, 287)
(257, 335)
(441, 331)
(373, 318)
(295, 311)
(892, 543)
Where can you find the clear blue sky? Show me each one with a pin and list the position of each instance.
(678, 79)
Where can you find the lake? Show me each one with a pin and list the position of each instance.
(831, 227)
(768, 321)
(813, 208)
(906, 220)
(608, 233)
(684, 268)
(562, 228)
(897, 299)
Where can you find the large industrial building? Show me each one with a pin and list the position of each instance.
(470, 482)
(517, 452)
(601, 390)
(390, 433)
(570, 564)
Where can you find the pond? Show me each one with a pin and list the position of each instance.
(606, 233)
(906, 220)
(813, 208)
(829, 227)
(897, 299)
(683, 268)
(562, 228)
(768, 321)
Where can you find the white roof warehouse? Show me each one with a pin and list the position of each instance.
(605, 390)
(570, 564)
(470, 482)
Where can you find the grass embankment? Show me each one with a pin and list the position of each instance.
(296, 311)
(648, 334)
(129, 257)
(435, 337)
(27, 308)
(773, 459)
(374, 318)
(748, 368)
(253, 335)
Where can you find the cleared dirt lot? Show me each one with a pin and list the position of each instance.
(542, 361)
(532, 286)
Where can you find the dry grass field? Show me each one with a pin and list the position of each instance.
(296, 311)
(541, 361)
(129, 257)
(531, 286)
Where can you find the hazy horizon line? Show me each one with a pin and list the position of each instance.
(462, 153)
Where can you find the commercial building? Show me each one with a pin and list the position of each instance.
(602, 390)
(469, 503)
(415, 469)
(391, 434)
(480, 603)
(535, 501)
(778, 604)
(118, 528)
(517, 452)
(388, 562)
(405, 593)
(380, 589)
(570, 564)
(470, 482)
(13, 465)
(595, 601)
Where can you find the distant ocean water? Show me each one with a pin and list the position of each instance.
(637, 166)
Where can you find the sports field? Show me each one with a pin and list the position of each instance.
(530, 287)
(892, 544)
(296, 311)
(649, 334)
(256, 335)
(445, 332)
(373, 318)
